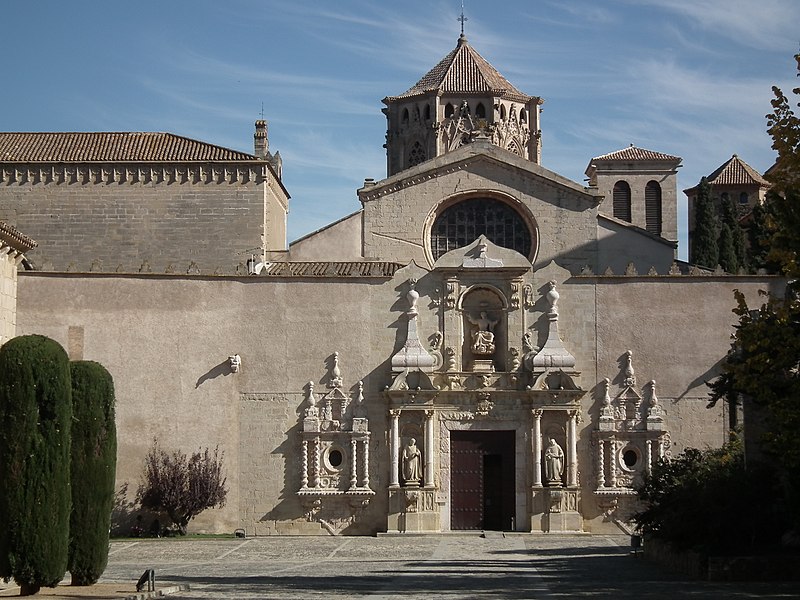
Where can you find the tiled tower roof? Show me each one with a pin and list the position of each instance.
(66, 147)
(463, 70)
(633, 153)
(737, 172)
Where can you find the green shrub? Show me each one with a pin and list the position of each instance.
(35, 501)
(94, 459)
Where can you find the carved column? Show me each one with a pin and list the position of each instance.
(537, 446)
(429, 448)
(317, 469)
(601, 467)
(353, 464)
(304, 478)
(649, 455)
(572, 442)
(394, 449)
(365, 446)
(612, 470)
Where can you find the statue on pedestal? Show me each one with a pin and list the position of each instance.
(412, 463)
(553, 462)
(483, 337)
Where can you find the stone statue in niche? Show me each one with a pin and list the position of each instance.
(553, 462)
(483, 337)
(412, 463)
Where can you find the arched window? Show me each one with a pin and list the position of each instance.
(480, 111)
(416, 155)
(744, 198)
(461, 224)
(622, 201)
(405, 116)
(427, 112)
(448, 111)
(502, 112)
(652, 207)
(523, 116)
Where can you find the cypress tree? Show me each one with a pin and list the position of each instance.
(35, 499)
(94, 459)
(704, 242)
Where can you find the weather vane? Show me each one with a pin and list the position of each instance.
(462, 18)
(262, 111)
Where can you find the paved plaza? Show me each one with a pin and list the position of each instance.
(415, 567)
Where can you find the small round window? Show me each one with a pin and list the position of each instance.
(630, 458)
(464, 222)
(335, 458)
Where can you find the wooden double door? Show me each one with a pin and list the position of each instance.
(482, 472)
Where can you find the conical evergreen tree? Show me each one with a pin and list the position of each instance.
(704, 241)
(728, 254)
(94, 459)
(35, 500)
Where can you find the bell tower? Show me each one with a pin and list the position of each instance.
(463, 98)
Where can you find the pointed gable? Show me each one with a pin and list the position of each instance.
(736, 172)
(464, 71)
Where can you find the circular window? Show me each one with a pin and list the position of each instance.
(335, 458)
(462, 223)
(630, 458)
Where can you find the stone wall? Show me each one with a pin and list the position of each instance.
(169, 222)
(8, 291)
(167, 339)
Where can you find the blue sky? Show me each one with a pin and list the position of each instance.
(686, 77)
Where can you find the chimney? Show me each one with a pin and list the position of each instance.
(260, 141)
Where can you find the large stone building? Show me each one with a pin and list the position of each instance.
(484, 345)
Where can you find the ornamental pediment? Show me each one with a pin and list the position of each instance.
(474, 157)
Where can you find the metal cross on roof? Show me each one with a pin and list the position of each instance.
(462, 18)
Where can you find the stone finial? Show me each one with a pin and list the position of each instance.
(311, 411)
(235, 362)
(335, 373)
(552, 297)
(630, 374)
(413, 297)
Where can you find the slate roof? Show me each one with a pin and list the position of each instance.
(79, 147)
(633, 153)
(737, 172)
(331, 269)
(465, 71)
(15, 238)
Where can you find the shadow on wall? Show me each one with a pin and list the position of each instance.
(223, 368)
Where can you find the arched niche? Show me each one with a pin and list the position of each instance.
(484, 315)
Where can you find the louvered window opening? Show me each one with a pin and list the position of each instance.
(652, 207)
(462, 223)
(622, 201)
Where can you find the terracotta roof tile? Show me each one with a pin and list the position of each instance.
(463, 70)
(331, 269)
(71, 147)
(15, 238)
(634, 153)
(736, 172)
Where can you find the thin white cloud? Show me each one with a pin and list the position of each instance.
(764, 24)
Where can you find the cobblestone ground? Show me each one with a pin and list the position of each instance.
(416, 567)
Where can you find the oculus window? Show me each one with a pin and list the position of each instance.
(462, 223)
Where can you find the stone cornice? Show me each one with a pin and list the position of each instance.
(133, 173)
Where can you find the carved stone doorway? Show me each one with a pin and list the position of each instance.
(482, 480)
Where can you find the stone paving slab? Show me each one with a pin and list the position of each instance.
(515, 566)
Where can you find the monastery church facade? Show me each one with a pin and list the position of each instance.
(485, 344)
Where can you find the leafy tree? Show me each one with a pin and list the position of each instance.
(35, 500)
(763, 363)
(94, 459)
(704, 241)
(181, 486)
(692, 499)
